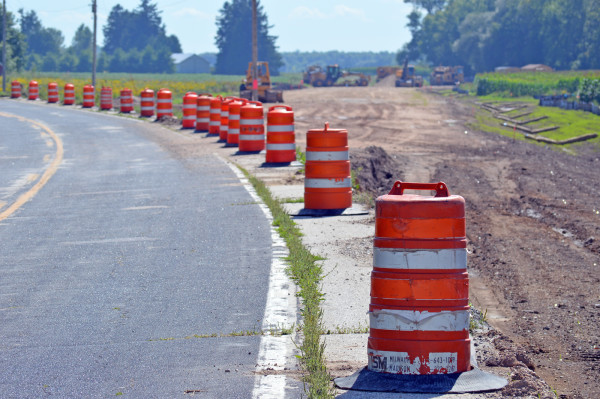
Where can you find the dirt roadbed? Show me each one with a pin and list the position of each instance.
(533, 218)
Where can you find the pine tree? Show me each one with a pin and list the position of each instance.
(234, 39)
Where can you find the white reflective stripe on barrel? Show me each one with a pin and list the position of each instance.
(189, 106)
(224, 128)
(202, 120)
(164, 110)
(147, 108)
(400, 363)
(251, 121)
(414, 320)
(326, 155)
(252, 137)
(341, 182)
(281, 147)
(189, 118)
(215, 111)
(400, 258)
(234, 117)
(234, 131)
(69, 91)
(215, 123)
(280, 128)
(163, 101)
(224, 113)
(203, 108)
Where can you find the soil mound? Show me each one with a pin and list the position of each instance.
(375, 170)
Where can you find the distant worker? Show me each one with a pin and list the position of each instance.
(242, 86)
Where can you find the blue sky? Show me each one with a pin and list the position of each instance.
(320, 25)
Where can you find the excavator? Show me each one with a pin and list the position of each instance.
(406, 76)
(332, 75)
(266, 93)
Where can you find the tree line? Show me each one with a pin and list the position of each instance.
(134, 41)
(484, 34)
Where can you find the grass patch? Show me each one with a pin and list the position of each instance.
(572, 123)
(307, 274)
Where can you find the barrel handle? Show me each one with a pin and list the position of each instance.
(255, 103)
(440, 188)
(205, 94)
(287, 107)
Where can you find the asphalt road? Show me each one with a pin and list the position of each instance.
(114, 268)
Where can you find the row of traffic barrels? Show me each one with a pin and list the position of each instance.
(88, 94)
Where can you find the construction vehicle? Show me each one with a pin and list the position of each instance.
(385, 71)
(406, 76)
(266, 93)
(446, 75)
(332, 75)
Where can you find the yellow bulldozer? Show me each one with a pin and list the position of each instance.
(406, 76)
(332, 75)
(385, 71)
(447, 75)
(266, 93)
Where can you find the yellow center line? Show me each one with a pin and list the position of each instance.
(48, 173)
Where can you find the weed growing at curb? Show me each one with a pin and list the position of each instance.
(305, 271)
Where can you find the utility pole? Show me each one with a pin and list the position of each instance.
(3, 45)
(254, 55)
(94, 9)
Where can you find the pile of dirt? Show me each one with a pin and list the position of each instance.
(375, 170)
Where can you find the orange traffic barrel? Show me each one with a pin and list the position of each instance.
(88, 96)
(419, 310)
(281, 141)
(15, 89)
(147, 102)
(52, 92)
(69, 94)
(252, 127)
(214, 125)
(34, 90)
(164, 104)
(190, 103)
(233, 130)
(203, 112)
(126, 100)
(327, 182)
(106, 98)
(224, 127)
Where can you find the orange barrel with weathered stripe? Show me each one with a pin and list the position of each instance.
(281, 141)
(52, 92)
(164, 103)
(126, 101)
(419, 310)
(327, 180)
(106, 98)
(224, 126)
(34, 90)
(252, 127)
(203, 112)
(147, 102)
(214, 125)
(15, 89)
(233, 131)
(69, 94)
(190, 103)
(88, 96)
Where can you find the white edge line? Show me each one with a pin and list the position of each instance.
(275, 352)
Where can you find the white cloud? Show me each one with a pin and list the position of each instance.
(191, 12)
(341, 10)
(305, 12)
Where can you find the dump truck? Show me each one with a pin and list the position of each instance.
(333, 75)
(447, 75)
(266, 93)
(406, 76)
